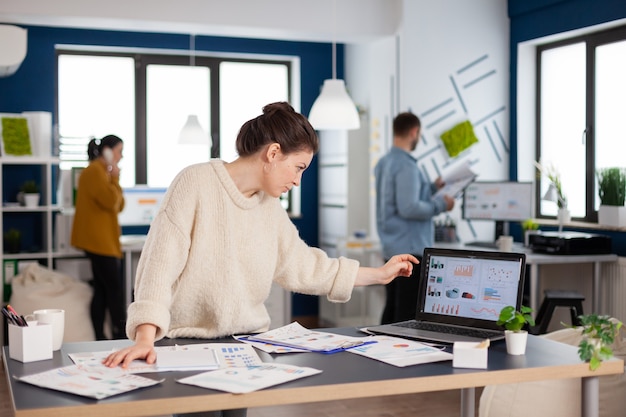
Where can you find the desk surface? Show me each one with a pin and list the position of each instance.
(536, 257)
(345, 375)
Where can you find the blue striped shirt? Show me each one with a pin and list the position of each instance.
(404, 205)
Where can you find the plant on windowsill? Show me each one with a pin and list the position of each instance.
(598, 332)
(529, 226)
(612, 193)
(555, 192)
(514, 322)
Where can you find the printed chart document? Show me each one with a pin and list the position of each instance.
(185, 359)
(227, 355)
(242, 380)
(456, 180)
(296, 336)
(401, 352)
(86, 382)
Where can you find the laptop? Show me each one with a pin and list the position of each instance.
(461, 293)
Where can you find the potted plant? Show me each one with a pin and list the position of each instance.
(12, 239)
(612, 192)
(555, 191)
(514, 322)
(529, 226)
(30, 191)
(599, 333)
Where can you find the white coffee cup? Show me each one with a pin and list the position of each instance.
(505, 243)
(56, 318)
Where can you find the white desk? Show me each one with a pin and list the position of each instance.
(131, 245)
(534, 260)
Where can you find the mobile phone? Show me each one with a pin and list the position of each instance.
(107, 153)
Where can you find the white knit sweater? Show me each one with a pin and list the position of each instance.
(212, 254)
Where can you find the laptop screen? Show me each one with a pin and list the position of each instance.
(468, 287)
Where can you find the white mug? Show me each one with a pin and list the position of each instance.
(505, 243)
(56, 318)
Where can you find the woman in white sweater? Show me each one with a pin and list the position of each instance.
(221, 238)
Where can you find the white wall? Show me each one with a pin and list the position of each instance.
(449, 63)
(320, 20)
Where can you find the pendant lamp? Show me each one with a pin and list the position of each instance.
(334, 109)
(192, 132)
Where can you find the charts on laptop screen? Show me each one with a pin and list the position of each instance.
(471, 287)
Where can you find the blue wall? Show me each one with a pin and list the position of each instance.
(32, 88)
(531, 19)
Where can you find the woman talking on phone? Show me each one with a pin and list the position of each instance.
(96, 231)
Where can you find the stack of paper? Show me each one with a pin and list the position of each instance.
(295, 336)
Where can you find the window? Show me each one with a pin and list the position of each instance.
(581, 83)
(145, 99)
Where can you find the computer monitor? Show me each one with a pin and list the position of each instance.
(141, 204)
(499, 201)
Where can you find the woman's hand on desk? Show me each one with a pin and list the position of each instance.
(397, 266)
(142, 349)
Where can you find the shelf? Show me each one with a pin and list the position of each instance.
(30, 160)
(24, 209)
(26, 255)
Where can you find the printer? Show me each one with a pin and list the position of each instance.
(570, 243)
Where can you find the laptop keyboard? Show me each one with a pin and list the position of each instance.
(442, 328)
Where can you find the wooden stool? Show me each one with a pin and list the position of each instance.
(558, 298)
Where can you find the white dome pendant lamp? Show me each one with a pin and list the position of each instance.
(192, 132)
(334, 109)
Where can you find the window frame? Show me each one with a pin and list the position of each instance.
(591, 41)
(145, 57)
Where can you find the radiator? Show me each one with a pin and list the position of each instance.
(613, 288)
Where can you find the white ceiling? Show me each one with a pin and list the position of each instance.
(346, 21)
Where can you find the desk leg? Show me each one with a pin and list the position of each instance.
(591, 397)
(533, 287)
(595, 291)
(128, 277)
(468, 402)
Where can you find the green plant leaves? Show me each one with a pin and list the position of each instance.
(598, 333)
(611, 186)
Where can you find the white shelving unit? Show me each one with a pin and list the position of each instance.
(344, 178)
(41, 217)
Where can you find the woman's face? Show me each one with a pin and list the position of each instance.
(285, 171)
(117, 152)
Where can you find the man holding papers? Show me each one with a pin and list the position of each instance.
(405, 206)
(221, 238)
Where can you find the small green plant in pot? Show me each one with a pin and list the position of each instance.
(599, 333)
(29, 187)
(612, 193)
(514, 321)
(30, 193)
(12, 240)
(611, 186)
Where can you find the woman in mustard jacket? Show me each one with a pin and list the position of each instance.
(96, 230)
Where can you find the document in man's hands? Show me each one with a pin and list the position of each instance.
(296, 336)
(456, 180)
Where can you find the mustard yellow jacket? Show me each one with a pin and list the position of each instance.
(99, 199)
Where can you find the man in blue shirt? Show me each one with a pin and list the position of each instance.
(405, 207)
